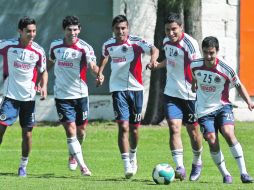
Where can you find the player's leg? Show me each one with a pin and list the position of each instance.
(227, 131)
(2, 131)
(27, 122)
(174, 117)
(190, 121)
(67, 116)
(81, 109)
(135, 120)
(121, 110)
(210, 134)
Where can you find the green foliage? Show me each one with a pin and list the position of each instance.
(47, 167)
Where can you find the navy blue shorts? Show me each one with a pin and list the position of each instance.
(212, 122)
(128, 106)
(11, 109)
(177, 108)
(72, 110)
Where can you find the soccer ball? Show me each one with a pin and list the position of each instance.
(163, 174)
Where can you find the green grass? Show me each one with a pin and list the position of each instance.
(47, 168)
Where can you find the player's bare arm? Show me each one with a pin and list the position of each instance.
(43, 85)
(100, 76)
(245, 96)
(94, 68)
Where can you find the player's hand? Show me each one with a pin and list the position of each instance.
(99, 80)
(152, 65)
(251, 106)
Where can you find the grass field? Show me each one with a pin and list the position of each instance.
(47, 167)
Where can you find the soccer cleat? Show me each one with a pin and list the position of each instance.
(195, 172)
(128, 172)
(134, 165)
(85, 171)
(227, 179)
(72, 163)
(22, 172)
(180, 173)
(246, 178)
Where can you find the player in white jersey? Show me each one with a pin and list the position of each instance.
(23, 60)
(72, 57)
(180, 49)
(126, 86)
(211, 79)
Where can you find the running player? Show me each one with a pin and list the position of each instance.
(72, 57)
(180, 50)
(126, 86)
(211, 79)
(23, 59)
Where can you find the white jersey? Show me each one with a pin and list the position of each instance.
(71, 64)
(20, 68)
(126, 66)
(213, 85)
(178, 59)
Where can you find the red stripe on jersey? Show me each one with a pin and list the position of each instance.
(3, 52)
(35, 74)
(135, 65)
(225, 93)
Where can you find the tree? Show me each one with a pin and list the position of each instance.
(191, 13)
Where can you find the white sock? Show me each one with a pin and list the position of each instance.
(126, 159)
(218, 159)
(178, 157)
(75, 150)
(23, 162)
(197, 156)
(133, 153)
(237, 152)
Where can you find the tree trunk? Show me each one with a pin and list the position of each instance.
(191, 12)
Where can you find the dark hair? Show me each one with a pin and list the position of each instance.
(71, 20)
(118, 19)
(23, 22)
(174, 17)
(210, 41)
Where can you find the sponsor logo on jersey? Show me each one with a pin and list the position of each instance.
(207, 88)
(217, 79)
(2, 117)
(172, 63)
(118, 59)
(21, 65)
(65, 64)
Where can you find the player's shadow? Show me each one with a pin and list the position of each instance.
(7, 174)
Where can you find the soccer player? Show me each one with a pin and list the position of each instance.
(180, 49)
(72, 57)
(22, 60)
(126, 86)
(212, 78)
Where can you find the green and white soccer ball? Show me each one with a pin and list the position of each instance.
(163, 174)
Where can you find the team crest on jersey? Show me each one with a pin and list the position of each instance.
(199, 74)
(31, 56)
(2, 117)
(124, 49)
(73, 54)
(217, 79)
